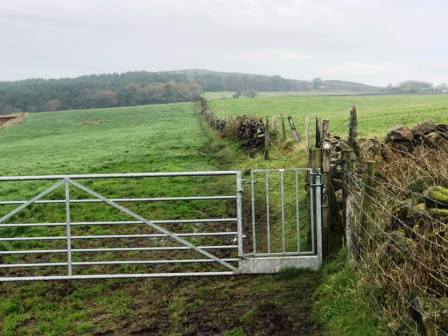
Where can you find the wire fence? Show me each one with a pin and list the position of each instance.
(401, 250)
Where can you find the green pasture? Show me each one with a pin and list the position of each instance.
(172, 138)
(376, 114)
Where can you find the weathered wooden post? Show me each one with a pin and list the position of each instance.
(348, 210)
(283, 127)
(327, 197)
(353, 131)
(316, 155)
(295, 134)
(307, 133)
(325, 127)
(318, 133)
(266, 139)
(366, 194)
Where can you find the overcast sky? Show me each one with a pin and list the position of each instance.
(370, 41)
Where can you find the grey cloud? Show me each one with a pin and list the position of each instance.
(372, 41)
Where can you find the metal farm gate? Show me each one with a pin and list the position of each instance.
(94, 235)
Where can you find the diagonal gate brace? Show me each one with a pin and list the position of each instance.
(31, 201)
(153, 225)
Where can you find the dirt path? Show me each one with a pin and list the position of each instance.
(243, 305)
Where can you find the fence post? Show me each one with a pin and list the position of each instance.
(353, 130)
(348, 209)
(366, 193)
(266, 139)
(307, 133)
(283, 127)
(318, 132)
(295, 134)
(327, 197)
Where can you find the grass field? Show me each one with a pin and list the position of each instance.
(139, 139)
(212, 95)
(376, 114)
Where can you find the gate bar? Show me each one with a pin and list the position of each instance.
(254, 230)
(154, 235)
(298, 211)
(68, 229)
(120, 249)
(128, 200)
(128, 175)
(268, 215)
(318, 186)
(282, 193)
(312, 203)
(239, 212)
(174, 221)
(116, 262)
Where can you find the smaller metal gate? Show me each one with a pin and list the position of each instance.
(285, 221)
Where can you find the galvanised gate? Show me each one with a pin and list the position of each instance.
(70, 227)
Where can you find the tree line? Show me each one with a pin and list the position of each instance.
(96, 91)
(132, 88)
(412, 87)
(143, 87)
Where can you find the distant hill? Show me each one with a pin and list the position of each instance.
(234, 81)
(143, 87)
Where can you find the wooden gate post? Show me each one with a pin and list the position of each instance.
(348, 209)
(318, 132)
(316, 158)
(283, 127)
(327, 199)
(366, 193)
(307, 133)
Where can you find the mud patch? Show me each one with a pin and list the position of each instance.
(269, 319)
(12, 119)
(268, 305)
